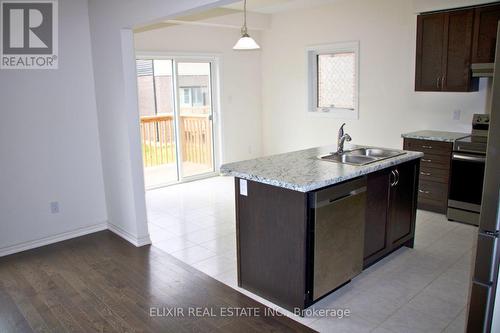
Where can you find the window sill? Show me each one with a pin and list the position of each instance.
(336, 114)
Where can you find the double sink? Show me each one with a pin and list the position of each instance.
(361, 156)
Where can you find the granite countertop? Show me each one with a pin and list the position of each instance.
(435, 135)
(302, 171)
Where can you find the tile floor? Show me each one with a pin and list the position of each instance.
(424, 289)
(156, 176)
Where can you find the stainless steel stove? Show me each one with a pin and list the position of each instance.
(467, 173)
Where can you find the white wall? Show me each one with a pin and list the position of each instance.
(240, 76)
(388, 104)
(49, 144)
(115, 84)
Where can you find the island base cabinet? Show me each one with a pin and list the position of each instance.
(391, 210)
(376, 243)
(294, 248)
(271, 227)
(403, 204)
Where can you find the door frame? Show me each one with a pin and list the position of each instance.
(215, 65)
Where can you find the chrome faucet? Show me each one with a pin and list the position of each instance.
(341, 139)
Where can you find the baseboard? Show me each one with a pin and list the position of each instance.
(128, 236)
(4, 251)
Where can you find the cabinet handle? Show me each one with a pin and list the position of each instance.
(426, 173)
(395, 174)
(427, 147)
(424, 160)
(393, 182)
(424, 192)
(439, 82)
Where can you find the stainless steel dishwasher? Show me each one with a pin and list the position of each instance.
(339, 224)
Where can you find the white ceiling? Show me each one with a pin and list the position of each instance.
(230, 16)
(276, 6)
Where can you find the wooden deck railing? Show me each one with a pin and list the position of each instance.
(158, 139)
(196, 138)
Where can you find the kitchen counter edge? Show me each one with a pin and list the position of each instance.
(442, 136)
(230, 170)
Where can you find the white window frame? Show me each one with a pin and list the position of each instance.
(312, 82)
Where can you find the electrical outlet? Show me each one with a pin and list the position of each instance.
(54, 207)
(457, 114)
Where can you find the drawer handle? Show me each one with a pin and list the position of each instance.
(427, 147)
(424, 160)
(426, 173)
(424, 192)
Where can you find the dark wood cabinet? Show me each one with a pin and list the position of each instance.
(271, 228)
(390, 211)
(457, 57)
(430, 52)
(443, 58)
(434, 173)
(402, 203)
(485, 33)
(376, 226)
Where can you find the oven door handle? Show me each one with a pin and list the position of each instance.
(468, 158)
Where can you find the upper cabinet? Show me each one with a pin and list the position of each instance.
(485, 33)
(430, 52)
(448, 42)
(444, 42)
(457, 58)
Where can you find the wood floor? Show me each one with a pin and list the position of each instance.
(101, 283)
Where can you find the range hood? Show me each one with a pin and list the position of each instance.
(483, 69)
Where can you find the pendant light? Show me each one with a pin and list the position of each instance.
(245, 42)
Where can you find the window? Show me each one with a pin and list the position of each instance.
(333, 80)
(194, 96)
(186, 97)
(199, 94)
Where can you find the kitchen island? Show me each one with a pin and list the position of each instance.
(306, 226)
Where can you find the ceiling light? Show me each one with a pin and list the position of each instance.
(245, 42)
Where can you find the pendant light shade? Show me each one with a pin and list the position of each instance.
(245, 42)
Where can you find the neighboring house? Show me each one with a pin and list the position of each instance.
(193, 91)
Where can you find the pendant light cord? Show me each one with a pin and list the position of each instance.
(244, 28)
(245, 42)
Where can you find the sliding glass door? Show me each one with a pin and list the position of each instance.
(194, 87)
(176, 111)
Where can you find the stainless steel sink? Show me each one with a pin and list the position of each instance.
(375, 152)
(361, 156)
(348, 158)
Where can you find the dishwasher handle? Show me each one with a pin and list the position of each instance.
(334, 194)
(328, 202)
